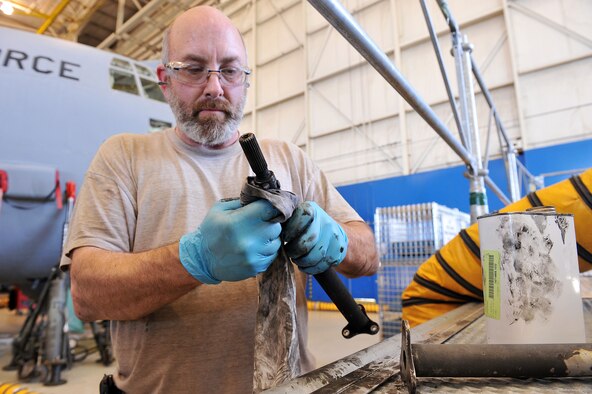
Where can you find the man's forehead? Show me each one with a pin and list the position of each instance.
(206, 39)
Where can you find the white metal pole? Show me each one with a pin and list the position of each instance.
(466, 91)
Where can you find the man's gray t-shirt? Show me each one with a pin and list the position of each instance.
(145, 191)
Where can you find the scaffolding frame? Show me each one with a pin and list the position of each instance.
(468, 148)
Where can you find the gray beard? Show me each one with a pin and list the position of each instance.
(208, 132)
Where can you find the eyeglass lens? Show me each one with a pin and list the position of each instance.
(198, 75)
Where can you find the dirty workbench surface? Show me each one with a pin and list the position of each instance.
(376, 369)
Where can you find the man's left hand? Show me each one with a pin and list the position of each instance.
(314, 241)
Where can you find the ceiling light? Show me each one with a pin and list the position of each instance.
(7, 8)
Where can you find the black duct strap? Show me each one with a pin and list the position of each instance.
(584, 193)
(442, 290)
(534, 200)
(471, 245)
(422, 301)
(586, 196)
(457, 278)
(584, 254)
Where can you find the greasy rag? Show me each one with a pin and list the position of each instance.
(277, 356)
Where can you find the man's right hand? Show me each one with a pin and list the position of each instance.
(232, 243)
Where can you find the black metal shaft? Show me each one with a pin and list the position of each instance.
(515, 361)
(356, 316)
(255, 157)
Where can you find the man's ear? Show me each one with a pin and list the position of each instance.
(162, 77)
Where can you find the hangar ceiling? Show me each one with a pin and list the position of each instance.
(311, 87)
(129, 27)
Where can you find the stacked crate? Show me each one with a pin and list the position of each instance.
(406, 236)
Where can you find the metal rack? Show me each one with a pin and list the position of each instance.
(406, 236)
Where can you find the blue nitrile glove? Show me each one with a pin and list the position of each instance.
(314, 241)
(232, 243)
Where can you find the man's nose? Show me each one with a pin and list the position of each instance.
(213, 85)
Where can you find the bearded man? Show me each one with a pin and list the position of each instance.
(156, 246)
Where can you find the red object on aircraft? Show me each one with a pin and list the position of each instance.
(70, 189)
(3, 181)
(58, 191)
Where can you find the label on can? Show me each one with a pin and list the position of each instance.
(490, 260)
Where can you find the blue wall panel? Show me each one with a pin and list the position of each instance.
(565, 157)
(449, 187)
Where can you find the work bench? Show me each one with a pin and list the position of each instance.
(376, 369)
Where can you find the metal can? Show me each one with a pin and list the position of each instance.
(531, 286)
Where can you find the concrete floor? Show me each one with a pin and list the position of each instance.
(325, 342)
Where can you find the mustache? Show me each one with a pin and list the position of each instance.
(217, 104)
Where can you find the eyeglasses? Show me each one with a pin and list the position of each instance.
(193, 74)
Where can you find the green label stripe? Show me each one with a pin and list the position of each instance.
(477, 198)
(490, 260)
